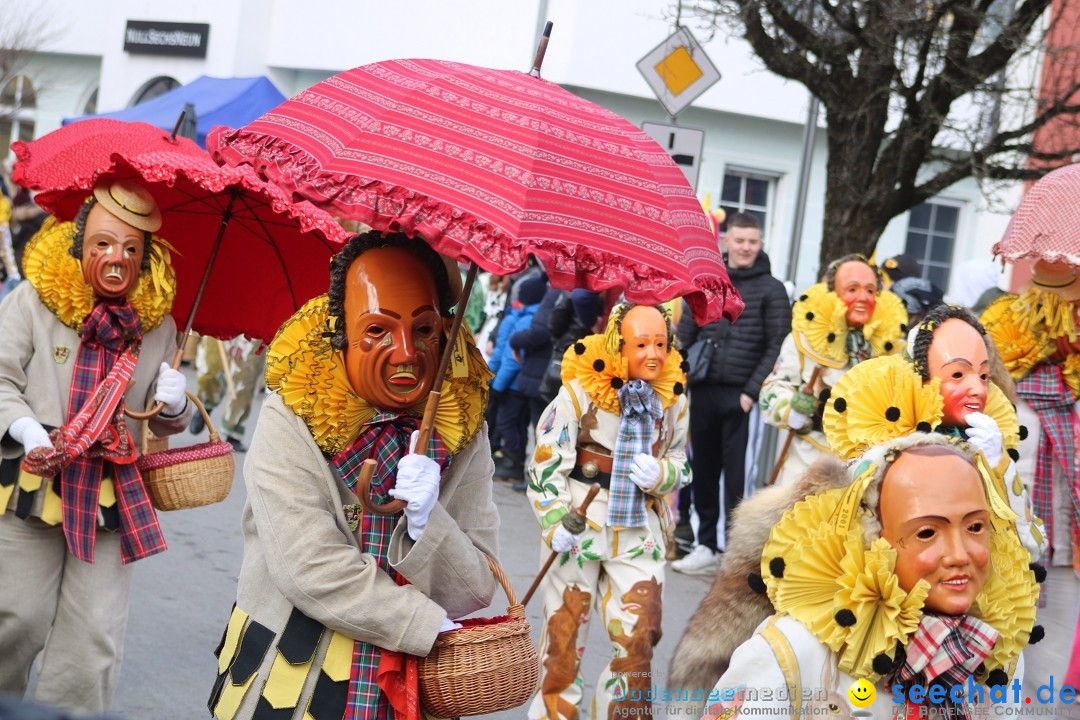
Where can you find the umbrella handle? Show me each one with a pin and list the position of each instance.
(363, 483)
(158, 407)
(580, 510)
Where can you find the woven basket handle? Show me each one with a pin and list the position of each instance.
(145, 434)
(497, 571)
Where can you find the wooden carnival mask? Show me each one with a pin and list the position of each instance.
(857, 285)
(934, 513)
(957, 356)
(393, 328)
(645, 342)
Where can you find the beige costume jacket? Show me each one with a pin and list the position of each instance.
(299, 552)
(37, 360)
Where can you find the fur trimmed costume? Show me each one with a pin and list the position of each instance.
(841, 614)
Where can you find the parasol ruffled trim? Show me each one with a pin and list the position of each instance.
(389, 207)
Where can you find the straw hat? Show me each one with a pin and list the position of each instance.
(130, 202)
(1059, 278)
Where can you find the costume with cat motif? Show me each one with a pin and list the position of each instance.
(614, 565)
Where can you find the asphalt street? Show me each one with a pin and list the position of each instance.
(182, 599)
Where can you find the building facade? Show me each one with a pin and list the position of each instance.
(111, 54)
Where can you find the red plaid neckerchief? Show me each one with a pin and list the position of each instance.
(108, 329)
(1044, 388)
(386, 440)
(945, 649)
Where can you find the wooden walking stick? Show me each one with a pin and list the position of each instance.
(809, 390)
(580, 511)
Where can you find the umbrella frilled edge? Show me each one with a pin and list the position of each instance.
(463, 236)
(65, 202)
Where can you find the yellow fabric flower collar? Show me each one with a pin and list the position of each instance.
(601, 373)
(58, 278)
(1024, 327)
(818, 568)
(820, 329)
(309, 374)
(885, 398)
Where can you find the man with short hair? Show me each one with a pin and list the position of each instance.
(719, 415)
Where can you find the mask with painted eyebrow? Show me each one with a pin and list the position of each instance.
(393, 328)
(112, 254)
(957, 356)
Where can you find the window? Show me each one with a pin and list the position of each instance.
(748, 192)
(18, 111)
(157, 86)
(90, 106)
(931, 238)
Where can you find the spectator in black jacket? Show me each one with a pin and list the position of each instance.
(719, 407)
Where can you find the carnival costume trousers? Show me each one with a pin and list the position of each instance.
(621, 574)
(1055, 503)
(84, 604)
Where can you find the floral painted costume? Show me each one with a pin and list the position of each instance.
(618, 568)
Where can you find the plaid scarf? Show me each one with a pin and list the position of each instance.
(1044, 388)
(944, 650)
(857, 347)
(640, 409)
(386, 439)
(110, 327)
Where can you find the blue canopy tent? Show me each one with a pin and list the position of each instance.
(218, 101)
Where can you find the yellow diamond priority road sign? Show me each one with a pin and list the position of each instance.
(678, 71)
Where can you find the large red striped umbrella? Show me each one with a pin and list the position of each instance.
(492, 166)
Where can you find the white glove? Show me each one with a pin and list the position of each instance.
(645, 471)
(985, 435)
(28, 432)
(796, 420)
(171, 385)
(562, 540)
(417, 484)
(448, 625)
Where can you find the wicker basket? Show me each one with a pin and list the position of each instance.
(484, 667)
(188, 477)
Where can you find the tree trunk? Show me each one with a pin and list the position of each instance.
(855, 213)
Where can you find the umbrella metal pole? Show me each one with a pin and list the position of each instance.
(426, 425)
(225, 218)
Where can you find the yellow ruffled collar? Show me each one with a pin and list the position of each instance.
(885, 398)
(1024, 327)
(815, 568)
(820, 328)
(58, 278)
(309, 374)
(601, 374)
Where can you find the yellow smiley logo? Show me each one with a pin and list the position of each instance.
(861, 694)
